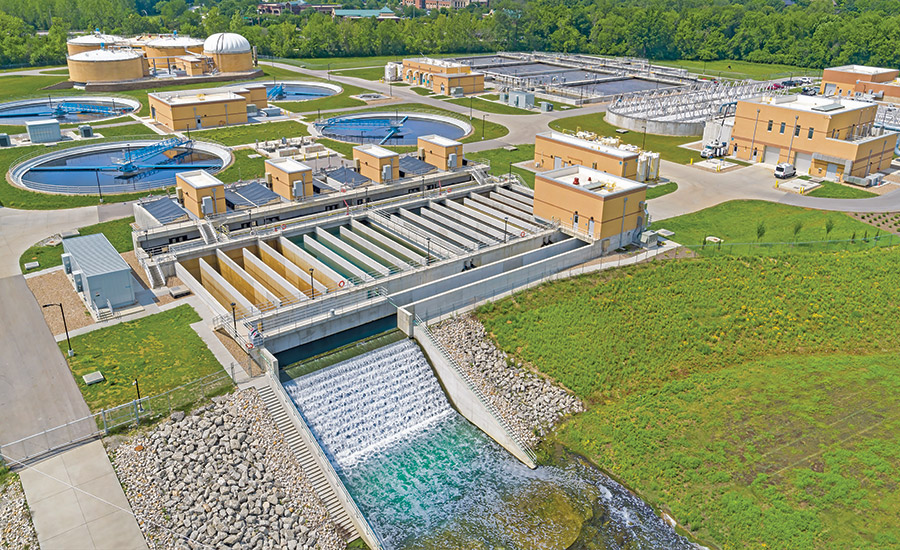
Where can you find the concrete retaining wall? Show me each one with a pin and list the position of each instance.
(467, 401)
(660, 127)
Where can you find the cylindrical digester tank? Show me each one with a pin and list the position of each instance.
(162, 51)
(230, 52)
(105, 66)
(90, 42)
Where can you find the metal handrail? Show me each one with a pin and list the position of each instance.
(474, 388)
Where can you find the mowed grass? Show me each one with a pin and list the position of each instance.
(734, 69)
(789, 452)
(251, 133)
(479, 104)
(661, 190)
(667, 146)
(742, 394)
(500, 160)
(369, 73)
(834, 190)
(117, 231)
(737, 222)
(136, 129)
(243, 167)
(161, 351)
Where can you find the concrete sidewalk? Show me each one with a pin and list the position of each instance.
(77, 503)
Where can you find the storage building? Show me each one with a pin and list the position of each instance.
(441, 75)
(201, 193)
(554, 150)
(603, 206)
(858, 80)
(98, 271)
(43, 131)
(291, 179)
(377, 163)
(195, 109)
(821, 136)
(441, 152)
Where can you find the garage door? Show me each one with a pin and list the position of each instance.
(803, 162)
(772, 155)
(831, 172)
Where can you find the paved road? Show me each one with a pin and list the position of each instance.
(699, 189)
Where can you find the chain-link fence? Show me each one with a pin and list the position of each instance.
(107, 421)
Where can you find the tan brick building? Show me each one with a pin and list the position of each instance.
(289, 178)
(441, 75)
(377, 163)
(197, 109)
(201, 193)
(853, 80)
(440, 152)
(824, 137)
(554, 150)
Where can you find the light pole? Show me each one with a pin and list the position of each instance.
(471, 99)
(644, 139)
(482, 125)
(234, 319)
(312, 284)
(99, 190)
(753, 141)
(329, 72)
(137, 387)
(505, 224)
(509, 176)
(793, 134)
(428, 255)
(66, 327)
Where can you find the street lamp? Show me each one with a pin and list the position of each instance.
(482, 125)
(234, 319)
(644, 139)
(794, 132)
(329, 72)
(505, 223)
(471, 99)
(63, 313)
(312, 285)
(428, 256)
(99, 190)
(509, 176)
(137, 387)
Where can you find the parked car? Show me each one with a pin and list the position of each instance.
(774, 86)
(790, 83)
(809, 90)
(785, 170)
(805, 80)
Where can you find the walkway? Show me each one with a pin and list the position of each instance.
(76, 502)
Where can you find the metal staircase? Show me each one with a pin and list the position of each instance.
(207, 231)
(155, 275)
(314, 474)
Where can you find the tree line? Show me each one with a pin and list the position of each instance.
(810, 33)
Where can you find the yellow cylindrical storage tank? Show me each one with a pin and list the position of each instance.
(105, 66)
(230, 52)
(165, 49)
(90, 42)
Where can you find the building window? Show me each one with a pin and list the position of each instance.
(796, 130)
(782, 128)
(769, 129)
(810, 134)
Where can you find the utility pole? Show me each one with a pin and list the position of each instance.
(65, 326)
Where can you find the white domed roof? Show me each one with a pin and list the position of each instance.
(96, 39)
(174, 42)
(105, 55)
(226, 42)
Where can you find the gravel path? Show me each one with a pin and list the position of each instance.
(16, 529)
(222, 477)
(529, 403)
(55, 288)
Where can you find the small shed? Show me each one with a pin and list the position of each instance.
(43, 131)
(99, 271)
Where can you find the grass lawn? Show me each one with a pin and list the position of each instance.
(136, 129)
(733, 391)
(666, 146)
(117, 231)
(243, 168)
(15, 197)
(62, 71)
(421, 91)
(489, 106)
(334, 63)
(500, 159)
(346, 148)
(371, 73)
(737, 222)
(25, 86)
(161, 351)
(742, 69)
(659, 190)
(833, 190)
(251, 133)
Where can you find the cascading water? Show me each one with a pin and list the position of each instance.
(426, 478)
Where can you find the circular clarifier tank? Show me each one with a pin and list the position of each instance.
(67, 110)
(391, 128)
(118, 167)
(300, 90)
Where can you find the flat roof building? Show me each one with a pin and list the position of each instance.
(441, 75)
(822, 136)
(209, 108)
(377, 163)
(289, 178)
(441, 152)
(201, 193)
(598, 204)
(98, 271)
(554, 150)
(857, 80)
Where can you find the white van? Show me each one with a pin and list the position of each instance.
(785, 170)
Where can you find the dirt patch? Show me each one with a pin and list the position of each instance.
(141, 275)
(55, 288)
(887, 222)
(240, 356)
